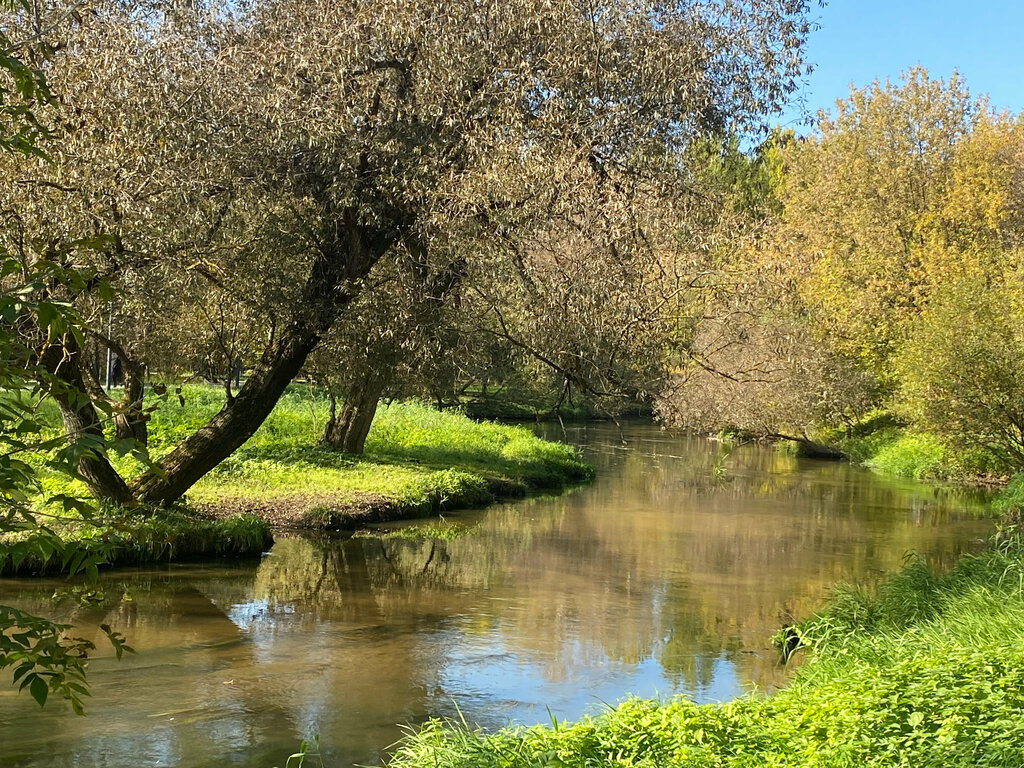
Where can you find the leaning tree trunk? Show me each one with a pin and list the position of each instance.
(236, 421)
(332, 284)
(346, 430)
(82, 424)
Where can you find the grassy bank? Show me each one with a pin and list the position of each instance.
(417, 461)
(886, 445)
(925, 670)
(116, 537)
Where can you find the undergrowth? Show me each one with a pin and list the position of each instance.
(886, 446)
(118, 537)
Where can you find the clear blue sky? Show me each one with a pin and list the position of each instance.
(861, 40)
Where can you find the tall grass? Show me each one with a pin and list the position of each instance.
(119, 537)
(886, 446)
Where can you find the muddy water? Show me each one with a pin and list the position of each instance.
(666, 576)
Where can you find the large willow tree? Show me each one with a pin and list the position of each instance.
(266, 155)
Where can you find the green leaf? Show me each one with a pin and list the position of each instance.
(39, 690)
(46, 313)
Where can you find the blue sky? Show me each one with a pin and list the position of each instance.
(860, 40)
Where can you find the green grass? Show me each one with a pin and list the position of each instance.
(925, 671)
(915, 456)
(417, 460)
(117, 537)
(888, 447)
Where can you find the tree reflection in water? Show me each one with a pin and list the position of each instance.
(666, 576)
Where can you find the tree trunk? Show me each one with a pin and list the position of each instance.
(347, 431)
(333, 282)
(82, 423)
(236, 421)
(130, 419)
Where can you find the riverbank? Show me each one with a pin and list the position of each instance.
(418, 461)
(925, 670)
(125, 537)
(885, 444)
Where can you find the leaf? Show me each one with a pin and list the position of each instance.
(39, 690)
(46, 312)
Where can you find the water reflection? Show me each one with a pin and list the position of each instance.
(665, 576)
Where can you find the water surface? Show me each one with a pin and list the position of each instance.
(666, 576)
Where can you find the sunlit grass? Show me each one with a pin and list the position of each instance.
(417, 459)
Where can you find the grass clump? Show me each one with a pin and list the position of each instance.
(119, 537)
(885, 444)
(914, 456)
(892, 449)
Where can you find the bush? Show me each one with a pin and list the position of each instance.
(962, 374)
(916, 456)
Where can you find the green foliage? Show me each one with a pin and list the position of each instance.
(915, 456)
(962, 373)
(43, 656)
(749, 182)
(308, 749)
(126, 537)
(883, 444)
(44, 659)
(1010, 501)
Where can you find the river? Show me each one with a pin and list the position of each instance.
(667, 575)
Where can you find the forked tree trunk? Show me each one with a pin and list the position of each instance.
(130, 420)
(346, 430)
(129, 417)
